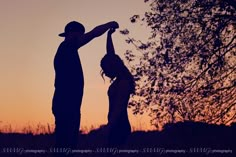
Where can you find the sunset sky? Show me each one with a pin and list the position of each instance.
(29, 40)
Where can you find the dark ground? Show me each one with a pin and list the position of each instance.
(180, 139)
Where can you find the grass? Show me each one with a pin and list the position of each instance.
(49, 129)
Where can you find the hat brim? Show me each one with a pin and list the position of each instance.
(62, 34)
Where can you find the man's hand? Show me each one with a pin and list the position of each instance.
(114, 25)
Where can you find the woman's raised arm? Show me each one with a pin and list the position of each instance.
(110, 46)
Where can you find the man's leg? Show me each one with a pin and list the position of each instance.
(61, 132)
(74, 131)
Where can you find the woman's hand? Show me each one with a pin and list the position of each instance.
(112, 30)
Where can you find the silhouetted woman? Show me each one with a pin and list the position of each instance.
(119, 93)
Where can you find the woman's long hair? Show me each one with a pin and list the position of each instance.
(115, 62)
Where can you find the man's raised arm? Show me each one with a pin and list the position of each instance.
(96, 32)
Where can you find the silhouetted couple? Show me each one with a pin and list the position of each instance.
(69, 85)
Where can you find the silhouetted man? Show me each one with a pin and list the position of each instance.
(69, 81)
